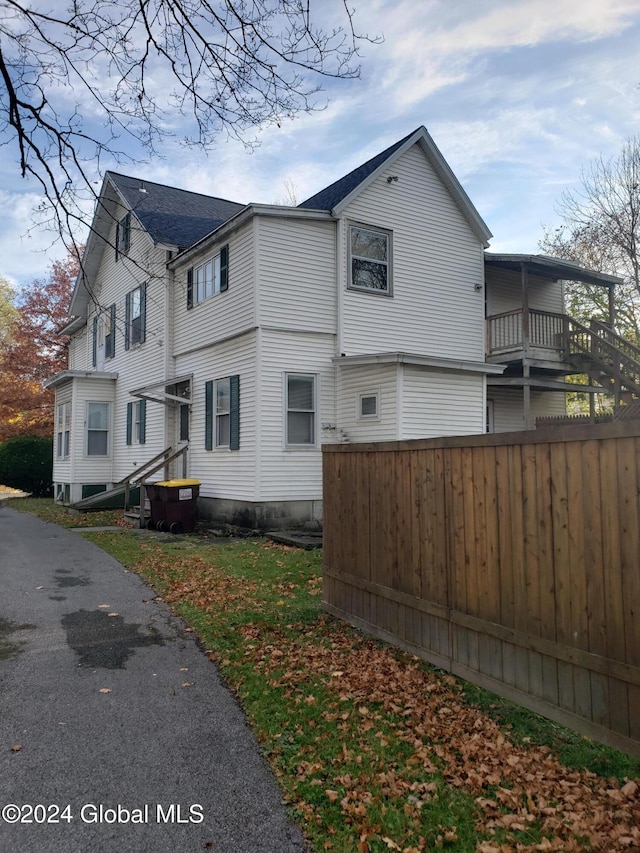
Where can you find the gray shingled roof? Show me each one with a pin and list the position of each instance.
(332, 195)
(174, 216)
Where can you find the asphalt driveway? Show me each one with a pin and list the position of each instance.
(116, 732)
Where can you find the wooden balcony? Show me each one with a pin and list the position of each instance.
(519, 335)
(546, 341)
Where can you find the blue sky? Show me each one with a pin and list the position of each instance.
(519, 95)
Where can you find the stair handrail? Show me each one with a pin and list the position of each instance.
(144, 471)
(134, 474)
(182, 451)
(620, 365)
(612, 337)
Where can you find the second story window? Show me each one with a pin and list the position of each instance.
(135, 317)
(209, 278)
(123, 236)
(370, 260)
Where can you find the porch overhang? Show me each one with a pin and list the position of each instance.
(449, 365)
(538, 383)
(157, 392)
(548, 267)
(69, 375)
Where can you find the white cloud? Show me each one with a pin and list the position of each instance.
(26, 250)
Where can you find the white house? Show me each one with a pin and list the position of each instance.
(249, 335)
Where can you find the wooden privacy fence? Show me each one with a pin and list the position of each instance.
(512, 560)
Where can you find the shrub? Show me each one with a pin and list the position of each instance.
(26, 462)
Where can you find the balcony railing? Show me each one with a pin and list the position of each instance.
(505, 331)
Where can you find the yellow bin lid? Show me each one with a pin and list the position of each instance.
(178, 483)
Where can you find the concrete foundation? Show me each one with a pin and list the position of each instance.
(268, 515)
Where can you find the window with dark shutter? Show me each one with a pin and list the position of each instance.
(224, 268)
(208, 415)
(209, 278)
(227, 413)
(94, 358)
(127, 321)
(190, 288)
(129, 423)
(123, 236)
(234, 414)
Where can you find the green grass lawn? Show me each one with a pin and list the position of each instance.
(48, 510)
(375, 750)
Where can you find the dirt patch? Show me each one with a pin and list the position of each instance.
(9, 648)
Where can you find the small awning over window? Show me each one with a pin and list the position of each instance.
(170, 392)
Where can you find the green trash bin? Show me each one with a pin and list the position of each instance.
(174, 505)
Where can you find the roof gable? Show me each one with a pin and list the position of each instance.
(170, 215)
(337, 195)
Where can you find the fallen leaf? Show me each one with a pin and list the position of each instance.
(112, 614)
(186, 684)
(184, 669)
(104, 606)
(39, 587)
(629, 790)
(332, 796)
(104, 690)
(16, 747)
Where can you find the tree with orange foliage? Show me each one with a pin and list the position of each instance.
(32, 351)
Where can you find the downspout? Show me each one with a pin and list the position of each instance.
(340, 285)
(169, 358)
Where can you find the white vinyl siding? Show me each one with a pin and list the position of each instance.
(351, 383)
(297, 274)
(63, 430)
(437, 263)
(78, 342)
(504, 292)
(62, 466)
(438, 403)
(229, 313)
(289, 473)
(138, 366)
(90, 469)
(223, 473)
(508, 407)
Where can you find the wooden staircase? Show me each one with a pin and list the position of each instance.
(133, 482)
(607, 358)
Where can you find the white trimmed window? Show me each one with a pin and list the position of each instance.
(370, 260)
(209, 278)
(223, 412)
(63, 430)
(135, 317)
(368, 405)
(123, 235)
(98, 416)
(301, 409)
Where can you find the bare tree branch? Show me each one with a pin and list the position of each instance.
(141, 70)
